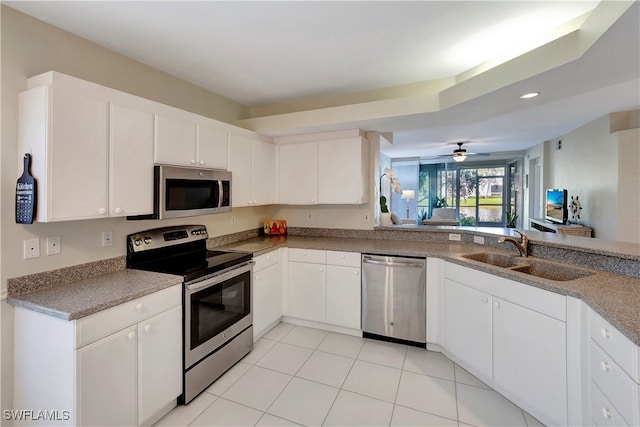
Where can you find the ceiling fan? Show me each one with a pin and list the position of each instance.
(460, 154)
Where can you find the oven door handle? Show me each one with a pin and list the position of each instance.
(207, 282)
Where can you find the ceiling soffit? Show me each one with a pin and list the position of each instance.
(349, 110)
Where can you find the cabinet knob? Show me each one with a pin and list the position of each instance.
(485, 300)
(342, 256)
(313, 200)
(201, 162)
(139, 306)
(193, 161)
(257, 278)
(117, 210)
(102, 211)
(356, 272)
(304, 253)
(605, 366)
(356, 200)
(255, 202)
(131, 335)
(321, 269)
(496, 304)
(605, 333)
(147, 328)
(606, 412)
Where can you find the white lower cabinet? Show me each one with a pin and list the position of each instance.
(107, 377)
(307, 291)
(267, 307)
(511, 335)
(324, 287)
(119, 367)
(343, 296)
(468, 326)
(615, 376)
(530, 358)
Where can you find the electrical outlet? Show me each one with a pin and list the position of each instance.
(454, 236)
(53, 245)
(233, 220)
(478, 239)
(107, 238)
(309, 216)
(365, 216)
(31, 248)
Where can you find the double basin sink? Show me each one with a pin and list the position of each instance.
(533, 267)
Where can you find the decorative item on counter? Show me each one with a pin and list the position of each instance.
(276, 227)
(385, 216)
(575, 207)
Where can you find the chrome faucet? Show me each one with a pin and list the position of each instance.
(522, 245)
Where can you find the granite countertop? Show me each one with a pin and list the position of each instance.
(84, 297)
(616, 297)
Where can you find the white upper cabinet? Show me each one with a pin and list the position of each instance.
(212, 147)
(326, 171)
(298, 173)
(343, 166)
(175, 141)
(66, 130)
(131, 161)
(251, 163)
(185, 139)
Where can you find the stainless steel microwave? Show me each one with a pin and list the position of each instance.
(185, 191)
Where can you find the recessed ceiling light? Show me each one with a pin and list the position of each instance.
(529, 95)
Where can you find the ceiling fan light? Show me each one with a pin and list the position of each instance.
(459, 157)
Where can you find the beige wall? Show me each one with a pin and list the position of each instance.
(603, 169)
(628, 182)
(31, 47)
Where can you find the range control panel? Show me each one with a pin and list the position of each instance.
(166, 236)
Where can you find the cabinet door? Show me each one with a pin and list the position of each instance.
(467, 326)
(175, 141)
(342, 166)
(298, 173)
(106, 380)
(212, 147)
(343, 296)
(262, 178)
(159, 362)
(77, 157)
(240, 163)
(130, 161)
(306, 291)
(529, 359)
(266, 298)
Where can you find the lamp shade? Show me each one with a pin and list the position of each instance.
(459, 157)
(408, 194)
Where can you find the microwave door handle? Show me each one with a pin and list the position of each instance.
(220, 193)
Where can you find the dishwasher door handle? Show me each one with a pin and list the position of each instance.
(393, 264)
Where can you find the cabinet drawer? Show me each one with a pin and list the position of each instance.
(602, 411)
(346, 259)
(621, 391)
(106, 322)
(312, 256)
(264, 261)
(616, 345)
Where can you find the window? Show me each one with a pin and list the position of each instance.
(481, 193)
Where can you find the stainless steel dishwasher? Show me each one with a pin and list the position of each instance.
(393, 298)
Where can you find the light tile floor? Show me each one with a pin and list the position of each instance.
(303, 376)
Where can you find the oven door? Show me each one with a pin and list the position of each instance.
(216, 309)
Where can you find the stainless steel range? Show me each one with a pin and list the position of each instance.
(217, 298)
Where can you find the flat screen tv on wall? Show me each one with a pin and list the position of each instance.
(556, 207)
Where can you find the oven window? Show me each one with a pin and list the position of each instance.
(216, 308)
(186, 194)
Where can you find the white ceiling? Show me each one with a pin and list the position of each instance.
(260, 53)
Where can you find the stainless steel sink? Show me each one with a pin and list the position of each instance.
(498, 260)
(533, 267)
